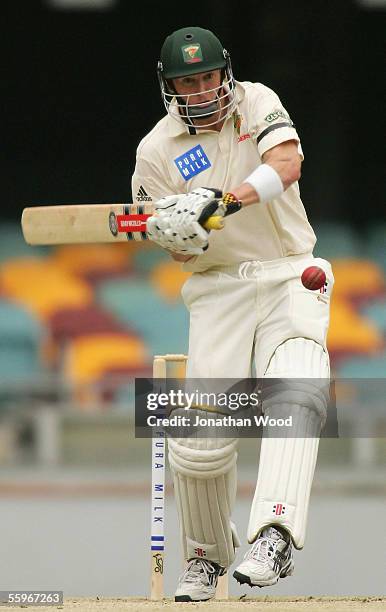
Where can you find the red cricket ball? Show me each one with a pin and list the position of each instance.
(313, 278)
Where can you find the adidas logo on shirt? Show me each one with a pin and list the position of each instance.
(142, 195)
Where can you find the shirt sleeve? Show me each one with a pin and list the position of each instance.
(147, 183)
(272, 124)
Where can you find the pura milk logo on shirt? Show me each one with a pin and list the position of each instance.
(192, 162)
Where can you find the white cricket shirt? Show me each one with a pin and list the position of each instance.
(171, 160)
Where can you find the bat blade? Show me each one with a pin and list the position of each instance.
(92, 223)
(85, 223)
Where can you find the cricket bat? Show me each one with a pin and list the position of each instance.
(93, 223)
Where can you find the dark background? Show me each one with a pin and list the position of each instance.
(79, 90)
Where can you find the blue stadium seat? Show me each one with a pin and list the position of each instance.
(12, 243)
(20, 338)
(163, 326)
(335, 240)
(368, 380)
(145, 260)
(376, 244)
(125, 398)
(376, 312)
(362, 367)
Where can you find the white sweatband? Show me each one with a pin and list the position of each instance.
(266, 182)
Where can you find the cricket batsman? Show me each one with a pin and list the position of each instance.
(233, 144)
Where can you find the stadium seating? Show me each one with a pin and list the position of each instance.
(167, 278)
(89, 359)
(163, 325)
(97, 313)
(351, 334)
(21, 336)
(94, 262)
(65, 324)
(12, 244)
(89, 355)
(373, 367)
(376, 312)
(335, 240)
(146, 257)
(357, 279)
(376, 244)
(42, 286)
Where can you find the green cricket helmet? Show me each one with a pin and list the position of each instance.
(190, 51)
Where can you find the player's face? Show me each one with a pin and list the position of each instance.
(199, 85)
(200, 92)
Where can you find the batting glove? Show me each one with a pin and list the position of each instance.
(187, 233)
(159, 222)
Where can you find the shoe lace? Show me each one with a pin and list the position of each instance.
(197, 570)
(262, 550)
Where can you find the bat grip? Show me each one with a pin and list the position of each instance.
(216, 222)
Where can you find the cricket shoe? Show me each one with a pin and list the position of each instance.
(199, 581)
(269, 559)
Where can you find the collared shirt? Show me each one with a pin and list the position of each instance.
(171, 160)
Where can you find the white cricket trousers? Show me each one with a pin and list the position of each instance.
(240, 314)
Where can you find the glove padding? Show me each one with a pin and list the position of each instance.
(158, 223)
(176, 227)
(187, 233)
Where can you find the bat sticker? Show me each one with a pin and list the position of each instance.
(113, 224)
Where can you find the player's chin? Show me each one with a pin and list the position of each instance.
(203, 110)
(212, 117)
(204, 120)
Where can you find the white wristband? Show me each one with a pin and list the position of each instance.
(266, 182)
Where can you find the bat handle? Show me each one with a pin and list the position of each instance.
(216, 221)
